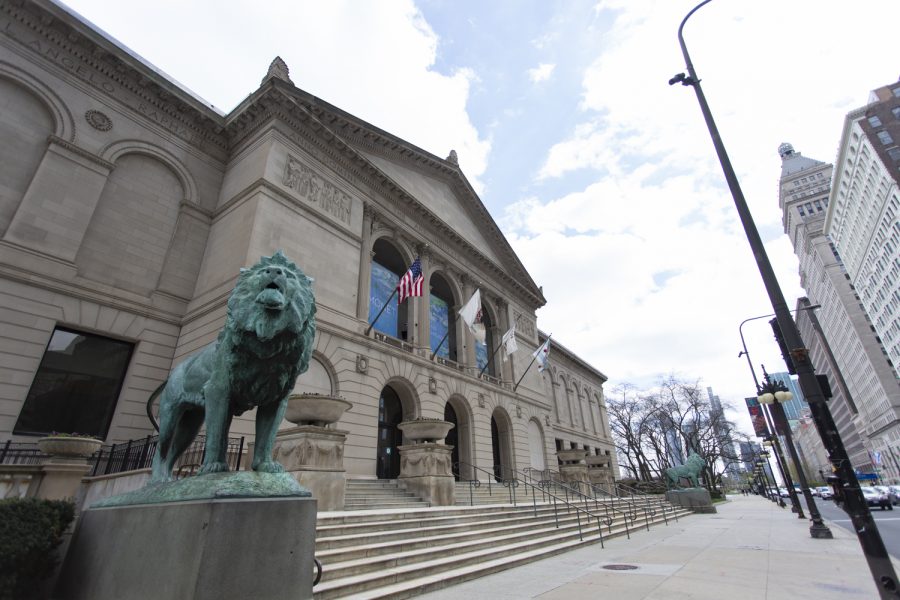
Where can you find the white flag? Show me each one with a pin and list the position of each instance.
(471, 316)
(509, 342)
(541, 355)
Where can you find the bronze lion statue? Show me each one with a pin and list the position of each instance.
(265, 345)
(689, 470)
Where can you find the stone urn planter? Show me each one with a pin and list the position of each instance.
(571, 456)
(315, 409)
(69, 446)
(425, 430)
(597, 461)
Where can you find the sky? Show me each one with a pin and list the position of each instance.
(601, 175)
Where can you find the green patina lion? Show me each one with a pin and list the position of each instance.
(689, 470)
(265, 344)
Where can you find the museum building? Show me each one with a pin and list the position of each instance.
(128, 206)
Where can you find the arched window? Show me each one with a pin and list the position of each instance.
(387, 268)
(442, 318)
(484, 353)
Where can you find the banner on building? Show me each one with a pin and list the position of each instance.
(757, 417)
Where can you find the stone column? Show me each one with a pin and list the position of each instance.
(505, 366)
(314, 456)
(365, 264)
(425, 471)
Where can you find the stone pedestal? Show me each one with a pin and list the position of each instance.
(425, 471)
(219, 549)
(695, 499)
(314, 456)
(575, 473)
(60, 477)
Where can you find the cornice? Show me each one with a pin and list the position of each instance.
(81, 152)
(57, 36)
(274, 101)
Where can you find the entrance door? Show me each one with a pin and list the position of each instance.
(390, 413)
(495, 446)
(536, 446)
(452, 438)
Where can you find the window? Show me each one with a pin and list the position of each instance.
(896, 111)
(896, 92)
(885, 138)
(76, 385)
(874, 121)
(894, 153)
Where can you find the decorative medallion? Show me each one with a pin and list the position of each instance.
(98, 120)
(362, 363)
(432, 385)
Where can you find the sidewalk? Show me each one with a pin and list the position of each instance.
(751, 549)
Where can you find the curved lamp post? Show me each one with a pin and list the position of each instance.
(773, 394)
(870, 540)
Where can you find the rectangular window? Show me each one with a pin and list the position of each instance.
(76, 385)
(896, 92)
(885, 138)
(894, 153)
(874, 121)
(896, 111)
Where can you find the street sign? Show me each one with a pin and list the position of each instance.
(866, 476)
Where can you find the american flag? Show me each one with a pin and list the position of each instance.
(411, 282)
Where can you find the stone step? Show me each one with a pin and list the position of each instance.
(380, 504)
(402, 575)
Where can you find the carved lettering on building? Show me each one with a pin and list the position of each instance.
(524, 324)
(316, 190)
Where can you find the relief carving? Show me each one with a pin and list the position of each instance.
(316, 190)
(524, 324)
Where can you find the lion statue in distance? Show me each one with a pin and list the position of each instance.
(265, 345)
(689, 470)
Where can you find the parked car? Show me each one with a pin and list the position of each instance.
(825, 492)
(875, 498)
(895, 494)
(783, 492)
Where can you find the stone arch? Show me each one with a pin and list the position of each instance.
(536, 444)
(64, 122)
(26, 121)
(502, 444)
(464, 451)
(390, 260)
(114, 151)
(320, 378)
(397, 402)
(143, 194)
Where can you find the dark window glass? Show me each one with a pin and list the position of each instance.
(384, 282)
(76, 386)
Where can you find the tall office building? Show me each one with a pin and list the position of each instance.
(842, 345)
(794, 408)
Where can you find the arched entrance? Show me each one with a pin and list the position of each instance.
(452, 438)
(502, 445)
(390, 414)
(536, 445)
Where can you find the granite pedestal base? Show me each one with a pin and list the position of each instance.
(229, 549)
(425, 471)
(695, 499)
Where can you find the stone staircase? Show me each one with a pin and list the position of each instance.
(376, 494)
(403, 553)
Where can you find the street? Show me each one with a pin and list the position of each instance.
(888, 522)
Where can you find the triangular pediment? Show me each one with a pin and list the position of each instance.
(434, 191)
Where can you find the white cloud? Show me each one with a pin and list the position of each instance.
(334, 50)
(657, 204)
(542, 72)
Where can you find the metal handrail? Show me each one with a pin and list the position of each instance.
(574, 488)
(647, 498)
(514, 482)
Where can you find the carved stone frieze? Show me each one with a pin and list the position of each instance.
(423, 460)
(317, 190)
(307, 447)
(524, 324)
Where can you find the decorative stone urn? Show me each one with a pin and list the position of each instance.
(69, 446)
(315, 409)
(425, 430)
(573, 456)
(311, 452)
(597, 460)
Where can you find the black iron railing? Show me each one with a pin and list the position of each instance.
(20, 453)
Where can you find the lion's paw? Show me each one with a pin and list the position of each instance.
(269, 466)
(214, 467)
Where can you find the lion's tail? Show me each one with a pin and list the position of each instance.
(150, 400)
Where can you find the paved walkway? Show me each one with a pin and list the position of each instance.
(751, 549)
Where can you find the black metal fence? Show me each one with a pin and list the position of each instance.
(127, 456)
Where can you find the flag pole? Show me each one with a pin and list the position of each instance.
(369, 328)
(533, 358)
(489, 361)
(441, 343)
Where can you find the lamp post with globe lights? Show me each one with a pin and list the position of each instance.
(879, 562)
(773, 394)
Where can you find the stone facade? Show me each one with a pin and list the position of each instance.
(128, 206)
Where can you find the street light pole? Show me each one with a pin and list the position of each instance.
(873, 547)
